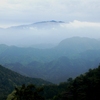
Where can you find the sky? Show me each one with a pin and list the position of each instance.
(82, 18)
(30, 11)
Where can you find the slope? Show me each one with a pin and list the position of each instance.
(10, 79)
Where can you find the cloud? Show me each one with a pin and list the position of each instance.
(82, 17)
(50, 35)
(81, 24)
(26, 11)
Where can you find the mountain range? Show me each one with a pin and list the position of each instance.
(69, 58)
(70, 47)
(40, 25)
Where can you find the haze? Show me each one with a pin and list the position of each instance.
(80, 17)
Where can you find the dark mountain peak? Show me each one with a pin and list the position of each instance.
(52, 21)
(41, 24)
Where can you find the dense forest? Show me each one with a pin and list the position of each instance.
(9, 80)
(84, 87)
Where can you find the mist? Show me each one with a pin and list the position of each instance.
(48, 34)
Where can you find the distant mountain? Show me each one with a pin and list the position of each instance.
(91, 55)
(43, 46)
(42, 24)
(75, 45)
(55, 71)
(3, 47)
(70, 58)
(10, 79)
(70, 47)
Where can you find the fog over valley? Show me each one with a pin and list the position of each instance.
(47, 32)
(49, 49)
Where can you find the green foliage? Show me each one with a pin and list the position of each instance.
(83, 87)
(10, 79)
(29, 92)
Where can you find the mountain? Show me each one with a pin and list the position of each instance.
(53, 64)
(43, 46)
(10, 79)
(41, 25)
(84, 87)
(3, 47)
(75, 45)
(70, 47)
(55, 71)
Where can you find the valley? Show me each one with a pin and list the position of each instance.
(70, 58)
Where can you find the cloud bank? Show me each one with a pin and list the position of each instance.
(81, 17)
(53, 35)
(26, 11)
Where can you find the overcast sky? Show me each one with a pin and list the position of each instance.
(82, 18)
(29, 11)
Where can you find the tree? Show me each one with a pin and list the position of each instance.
(29, 92)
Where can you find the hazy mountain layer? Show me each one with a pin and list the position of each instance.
(55, 71)
(70, 48)
(55, 64)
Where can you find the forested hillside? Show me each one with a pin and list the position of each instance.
(83, 87)
(10, 79)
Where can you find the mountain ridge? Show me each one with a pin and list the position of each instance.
(41, 24)
(68, 55)
(10, 79)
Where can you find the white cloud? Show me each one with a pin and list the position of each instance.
(37, 10)
(80, 24)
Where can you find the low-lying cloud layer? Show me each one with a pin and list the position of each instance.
(47, 34)
(81, 18)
